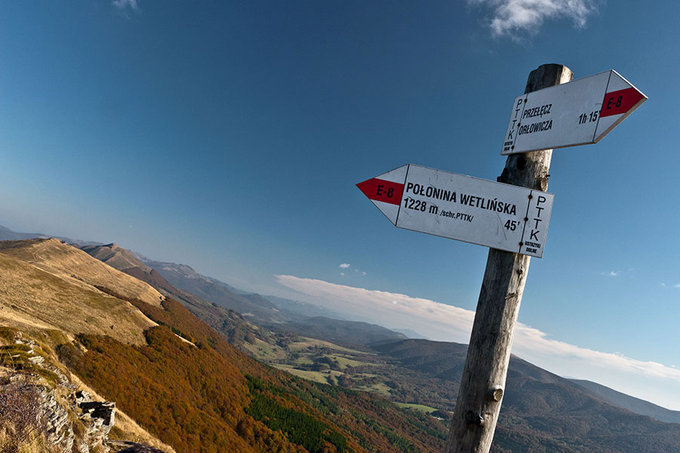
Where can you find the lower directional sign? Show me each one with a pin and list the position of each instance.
(468, 209)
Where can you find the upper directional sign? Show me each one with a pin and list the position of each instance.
(574, 113)
(489, 213)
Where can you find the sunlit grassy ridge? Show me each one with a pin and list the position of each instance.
(33, 298)
(74, 265)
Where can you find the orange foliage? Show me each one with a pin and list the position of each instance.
(197, 398)
(192, 398)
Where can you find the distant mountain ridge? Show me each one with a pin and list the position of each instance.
(305, 309)
(228, 322)
(115, 256)
(345, 333)
(542, 411)
(8, 235)
(253, 306)
(628, 402)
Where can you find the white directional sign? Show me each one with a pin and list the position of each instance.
(489, 213)
(574, 113)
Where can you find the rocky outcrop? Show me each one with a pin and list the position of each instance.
(38, 401)
(98, 418)
(132, 447)
(59, 428)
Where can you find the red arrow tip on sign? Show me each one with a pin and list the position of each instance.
(381, 190)
(621, 101)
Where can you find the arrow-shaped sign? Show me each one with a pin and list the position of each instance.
(574, 113)
(468, 209)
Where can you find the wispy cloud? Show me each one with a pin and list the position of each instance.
(648, 380)
(612, 273)
(664, 285)
(125, 4)
(511, 17)
(346, 266)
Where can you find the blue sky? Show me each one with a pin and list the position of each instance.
(229, 136)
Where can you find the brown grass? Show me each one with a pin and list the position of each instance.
(67, 262)
(33, 298)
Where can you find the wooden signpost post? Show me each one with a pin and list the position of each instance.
(509, 216)
(486, 366)
(483, 383)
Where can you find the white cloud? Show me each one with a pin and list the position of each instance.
(648, 380)
(125, 4)
(345, 266)
(512, 16)
(369, 305)
(612, 273)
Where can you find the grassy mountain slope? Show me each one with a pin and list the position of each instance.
(243, 406)
(41, 309)
(33, 298)
(71, 263)
(227, 322)
(188, 386)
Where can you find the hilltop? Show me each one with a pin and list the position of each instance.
(116, 257)
(42, 293)
(226, 321)
(70, 263)
(8, 235)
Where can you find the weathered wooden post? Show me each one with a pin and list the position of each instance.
(486, 367)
